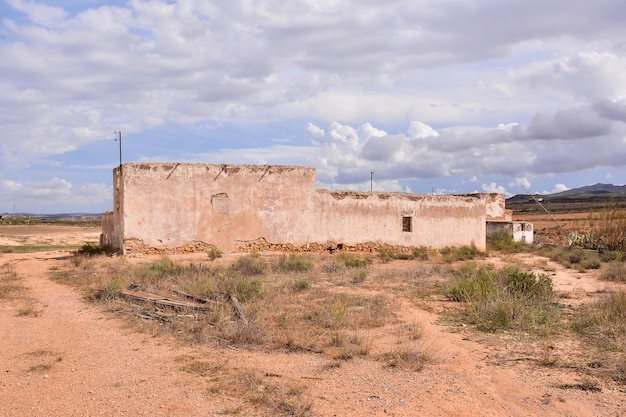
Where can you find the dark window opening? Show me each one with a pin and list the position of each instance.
(407, 224)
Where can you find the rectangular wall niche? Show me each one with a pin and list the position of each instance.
(220, 203)
(407, 224)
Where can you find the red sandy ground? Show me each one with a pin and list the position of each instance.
(68, 357)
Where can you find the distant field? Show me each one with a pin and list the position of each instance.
(18, 238)
(565, 204)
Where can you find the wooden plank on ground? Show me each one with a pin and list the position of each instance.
(161, 301)
(202, 300)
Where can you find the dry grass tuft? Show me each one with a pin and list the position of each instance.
(286, 399)
(412, 357)
(10, 283)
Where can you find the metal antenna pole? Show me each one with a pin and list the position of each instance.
(119, 139)
(371, 181)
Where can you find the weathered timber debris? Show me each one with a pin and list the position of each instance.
(161, 301)
(238, 310)
(197, 299)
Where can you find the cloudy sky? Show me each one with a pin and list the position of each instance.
(445, 96)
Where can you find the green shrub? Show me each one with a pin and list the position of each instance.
(91, 250)
(301, 284)
(591, 263)
(609, 228)
(163, 267)
(420, 253)
(112, 289)
(359, 276)
(294, 263)
(331, 267)
(470, 284)
(574, 258)
(502, 241)
(615, 272)
(503, 298)
(244, 287)
(215, 253)
(386, 254)
(353, 262)
(250, 265)
(611, 255)
(604, 321)
(526, 284)
(336, 313)
(460, 253)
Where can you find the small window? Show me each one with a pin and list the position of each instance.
(407, 224)
(220, 203)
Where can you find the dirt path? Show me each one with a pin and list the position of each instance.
(60, 356)
(68, 358)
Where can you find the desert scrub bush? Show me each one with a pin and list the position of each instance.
(354, 262)
(250, 264)
(301, 284)
(335, 313)
(502, 241)
(368, 312)
(10, 283)
(92, 250)
(614, 272)
(460, 253)
(214, 253)
(386, 254)
(420, 253)
(155, 275)
(293, 263)
(574, 258)
(604, 322)
(470, 284)
(412, 357)
(287, 400)
(244, 287)
(239, 333)
(344, 311)
(111, 289)
(609, 228)
(359, 276)
(503, 298)
(331, 267)
(162, 267)
(611, 255)
(348, 345)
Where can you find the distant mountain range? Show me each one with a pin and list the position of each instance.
(589, 197)
(594, 189)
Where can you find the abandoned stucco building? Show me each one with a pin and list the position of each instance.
(179, 207)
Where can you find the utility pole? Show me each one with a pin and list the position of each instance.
(119, 139)
(371, 181)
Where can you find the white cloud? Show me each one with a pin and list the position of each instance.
(523, 96)
(493, 188)
(276, 155)
(523, 183)
(315, 131)
(558, 188)
(345, 152)
(54, 194)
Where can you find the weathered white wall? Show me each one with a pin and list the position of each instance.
(523, 232)
(437, 220)
(519, 231)
(171, 205)
(495, 209)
